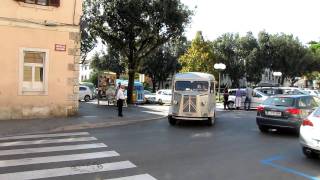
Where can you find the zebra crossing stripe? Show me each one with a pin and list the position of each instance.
(47, 141)
(136, 177)
(67, 171)
(51, 149)
(59, 158)
(44, 136)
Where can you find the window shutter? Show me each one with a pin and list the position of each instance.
(55, 3)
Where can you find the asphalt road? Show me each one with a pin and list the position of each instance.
(233, 149)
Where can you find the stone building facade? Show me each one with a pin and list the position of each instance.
(40, 53)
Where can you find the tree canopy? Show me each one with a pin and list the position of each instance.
(110, 61)
(160, 65)
(136, 28)
(199, 56)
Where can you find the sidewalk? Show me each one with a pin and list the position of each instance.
(90, 116)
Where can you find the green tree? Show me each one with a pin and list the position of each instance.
(199, 57)
(88, 42)
(227, 51)
(249, 52)
(136, 28)
(291, 57)
(315, 51)
(160, 65)
(112, 61)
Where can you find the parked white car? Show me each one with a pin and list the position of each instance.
(85, 93)
(310, 135)
(257, 98)
(149, 96)
(164, 96)
(270, 91)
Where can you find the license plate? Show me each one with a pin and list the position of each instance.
(273, 113)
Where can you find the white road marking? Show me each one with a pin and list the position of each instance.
(44, 136)
(137, 177)
(67, 171)
(59, 158)
(89, 116)
(47, 141)
(51, 149)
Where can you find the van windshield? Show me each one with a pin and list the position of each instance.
(191, 86)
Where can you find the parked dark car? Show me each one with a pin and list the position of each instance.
(285, 111)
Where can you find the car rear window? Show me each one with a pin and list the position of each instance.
(279, 101)
(317, 112)
(307, 102)
(270, 91)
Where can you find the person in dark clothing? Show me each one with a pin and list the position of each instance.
(225, 98)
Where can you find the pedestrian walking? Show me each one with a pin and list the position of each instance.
(247, 101)
(225, 97)
(120, 99)
(238, 98)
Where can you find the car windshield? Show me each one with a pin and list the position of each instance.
(147, 92)
(167, 93)
(270, 91)
(279, 101)
(317, 112)
(191, 86)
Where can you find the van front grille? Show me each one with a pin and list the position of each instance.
(190, 104)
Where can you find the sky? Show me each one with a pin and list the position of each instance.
(215, 17)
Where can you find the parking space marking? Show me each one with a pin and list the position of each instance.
(269, 162)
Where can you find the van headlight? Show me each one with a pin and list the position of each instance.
(175, 102)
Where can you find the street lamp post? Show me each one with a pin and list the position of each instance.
(220, 67)
(277, 75)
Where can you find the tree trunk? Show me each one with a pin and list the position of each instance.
(282, 80)
(130, 87)
(131, 67)
(153, 85)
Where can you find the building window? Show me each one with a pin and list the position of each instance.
(34, 69)
(55, 3)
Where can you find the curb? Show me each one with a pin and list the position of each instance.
(87, 126)
(100, 125)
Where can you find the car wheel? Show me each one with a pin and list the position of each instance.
(263, 129)
(230, 104)
(172, 121)
(309, 153)
(160, 102)
(87, 98)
